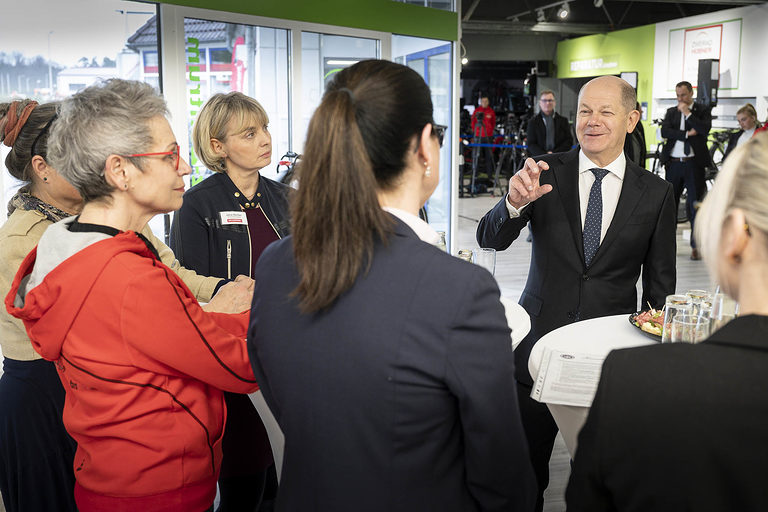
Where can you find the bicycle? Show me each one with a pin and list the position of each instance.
(717, 150)
(286, 169)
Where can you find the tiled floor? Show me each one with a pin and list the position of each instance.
(511, 274)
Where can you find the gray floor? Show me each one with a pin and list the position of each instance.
(511, 273)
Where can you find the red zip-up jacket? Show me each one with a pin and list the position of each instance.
(142, 365)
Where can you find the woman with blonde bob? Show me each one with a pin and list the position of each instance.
(386, 361)
(682, 427)
(225, 223)
(142, 364)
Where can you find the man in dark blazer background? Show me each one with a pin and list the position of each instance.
(685, 153)
(633, 229)
(548, 131)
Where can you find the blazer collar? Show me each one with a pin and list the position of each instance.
(749, 332)
(566, 177)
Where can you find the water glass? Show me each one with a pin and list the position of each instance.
(687, 328)
(441, 241)
(724, 309)
(486, 258)
(465, 254)
(697, 298)
(673, 306)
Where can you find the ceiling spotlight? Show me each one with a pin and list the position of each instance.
(464, 61)
(540, 16)
(598, 3)
(564, 11)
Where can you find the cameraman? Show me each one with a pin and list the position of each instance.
(483, 123)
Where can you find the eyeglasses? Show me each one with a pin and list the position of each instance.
(175, 154)
(439, 131)
(547, 101)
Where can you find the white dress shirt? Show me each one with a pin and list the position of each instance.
(678, 150)
(610, 186)
(423, 230)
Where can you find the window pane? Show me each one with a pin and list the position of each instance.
(224, 57)
(322, 56)
(66, 46)
(446, 5)
(432, 60)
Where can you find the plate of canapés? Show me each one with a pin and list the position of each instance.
(650, 322)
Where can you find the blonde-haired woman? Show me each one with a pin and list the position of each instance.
(748, 123)
(225, 223)
(682, 427)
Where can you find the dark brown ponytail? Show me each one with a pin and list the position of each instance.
(31, 135)
(357, 144)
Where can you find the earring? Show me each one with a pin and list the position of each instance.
(125, 186)
(45, 178)
(428, 171)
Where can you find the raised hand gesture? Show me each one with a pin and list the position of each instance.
(524, 186)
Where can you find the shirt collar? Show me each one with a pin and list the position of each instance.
(617, 167)
(423, 230)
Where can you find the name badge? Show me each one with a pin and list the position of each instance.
(233, 218)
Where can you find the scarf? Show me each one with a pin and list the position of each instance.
(23, 200)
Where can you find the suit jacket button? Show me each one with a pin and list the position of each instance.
(585, 277)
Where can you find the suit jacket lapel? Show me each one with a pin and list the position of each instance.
(566, 177)
(632, 190)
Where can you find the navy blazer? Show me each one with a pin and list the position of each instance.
(678, 427)
(401, 396)
(536, 138)
(561, 289)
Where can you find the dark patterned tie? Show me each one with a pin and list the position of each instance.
(594, 219)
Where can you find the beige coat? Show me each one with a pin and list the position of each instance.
(20, 234)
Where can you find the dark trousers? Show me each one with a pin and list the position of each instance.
(246, 456)
(540, 431)
(36, 452)
(687, 175)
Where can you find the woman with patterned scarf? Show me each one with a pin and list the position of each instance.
(36, 453)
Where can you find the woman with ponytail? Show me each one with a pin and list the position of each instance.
(386, 362)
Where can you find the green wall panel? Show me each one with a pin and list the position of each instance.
(610, 54)
(381, 15)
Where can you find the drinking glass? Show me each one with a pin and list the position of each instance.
(697, 298)
(486, 258)
(724, 309)
(673, 306)
(465, 254)
(441, 242)
(683, 328)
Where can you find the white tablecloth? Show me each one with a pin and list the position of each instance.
(518, 320)
(597, 337)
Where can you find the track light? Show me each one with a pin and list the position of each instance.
(464, 61)
(540, 16)
(564, 11)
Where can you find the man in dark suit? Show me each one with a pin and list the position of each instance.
(685, 153)
(597, 220)
(548, 131)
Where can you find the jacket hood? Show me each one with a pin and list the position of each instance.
(56, 277)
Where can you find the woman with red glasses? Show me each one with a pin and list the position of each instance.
(141, 362)
(225, 223)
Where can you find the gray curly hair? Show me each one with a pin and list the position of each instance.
(110, 118)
